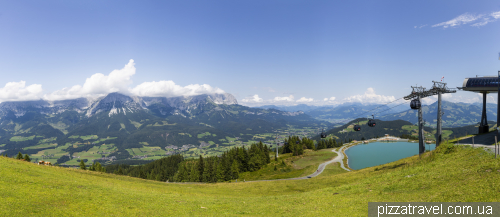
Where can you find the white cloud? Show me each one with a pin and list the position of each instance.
(434, 98)
(329, 99)
(253, 99)
(303, 99)
(495, 15)
(477, 20)
(119, 80)
(370, 97)
(98, 84)
(285, 98)
(170, 89)
(462, 19)
(17, 91)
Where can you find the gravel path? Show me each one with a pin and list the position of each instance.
(321, 167)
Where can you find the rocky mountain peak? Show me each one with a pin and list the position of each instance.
(114, 103)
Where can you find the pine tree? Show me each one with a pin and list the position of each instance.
(19, 156)
(82, 165)
(120, 170)
(142, 175)
(99, 167)
(194, 176)
(220, 173)
(27, 158)
(234, 170)
(200, 169)
(266, 153)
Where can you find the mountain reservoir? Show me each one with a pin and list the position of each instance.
(377, 153)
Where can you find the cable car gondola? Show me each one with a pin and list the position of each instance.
(371, 122)
(415, 104)
(356, 127)
(323, 134)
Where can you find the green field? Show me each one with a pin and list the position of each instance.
(146, 150)
(44, 145)
(93, 153)
(51, 155)
(450, 174)
(203, 135)
(21, 138)
(89, 137)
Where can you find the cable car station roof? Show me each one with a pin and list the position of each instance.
(481, 84)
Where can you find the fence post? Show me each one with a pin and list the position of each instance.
(495, 146)
(473, 141)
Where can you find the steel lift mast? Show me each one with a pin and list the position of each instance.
(419, 93)
(440, 88)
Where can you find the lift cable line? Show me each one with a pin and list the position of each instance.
(370, 111)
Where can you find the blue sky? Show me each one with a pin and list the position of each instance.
(262, 52)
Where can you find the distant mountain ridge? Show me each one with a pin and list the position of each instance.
(110, 101)
(455, 114)
(132, 122)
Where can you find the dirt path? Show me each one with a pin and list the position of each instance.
(320, 169)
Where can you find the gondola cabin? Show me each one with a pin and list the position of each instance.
(323, 134)
(371, 122)
(415, 104)
(357, 128)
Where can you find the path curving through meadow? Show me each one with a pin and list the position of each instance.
(321, 167)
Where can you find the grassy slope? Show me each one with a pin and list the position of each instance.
(465, 174)
(295, 166)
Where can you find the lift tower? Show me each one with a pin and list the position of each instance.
(419, 93)
(440, 88)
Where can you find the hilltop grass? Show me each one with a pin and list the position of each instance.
(449, 174)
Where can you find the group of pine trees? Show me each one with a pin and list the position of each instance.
(159, 170)
(96, 166)
(225, 167)
(328, 143)
(296, 146)
(20, 156)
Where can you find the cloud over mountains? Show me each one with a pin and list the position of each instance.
(119, 80)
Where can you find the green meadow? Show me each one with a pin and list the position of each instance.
(449, 174)
(289, 166)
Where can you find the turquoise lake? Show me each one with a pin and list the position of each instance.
(377, 153)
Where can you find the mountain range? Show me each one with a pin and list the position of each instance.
(455, 114)
(135, 123)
